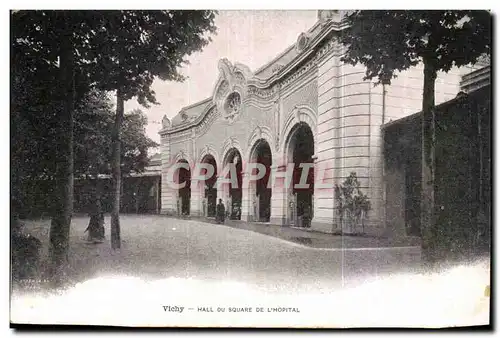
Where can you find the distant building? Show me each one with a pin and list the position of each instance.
(141, 192)
(305, 106)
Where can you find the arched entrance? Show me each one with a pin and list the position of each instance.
(301, 150)
(184, 193)
(233, 193)
(261, 198)
(210, 188)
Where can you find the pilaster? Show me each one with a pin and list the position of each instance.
(279, 196)
(168, 194)
(247, 207)
(323, 198)
(197, 194)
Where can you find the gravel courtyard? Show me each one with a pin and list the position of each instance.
(160, 247)
(190, 264)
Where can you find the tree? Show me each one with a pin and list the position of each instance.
(33, 139)
(120, 51)
(50, 38)
(93, 142)
(135, 142)
(387, 42)
(128, 50)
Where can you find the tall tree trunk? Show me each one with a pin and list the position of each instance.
(63, 197)
(428, 217)
(115, 166)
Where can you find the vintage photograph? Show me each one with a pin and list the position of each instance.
(251, 168)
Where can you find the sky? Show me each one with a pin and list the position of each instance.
(249, 37)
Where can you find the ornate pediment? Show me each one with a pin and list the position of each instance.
(231, 88)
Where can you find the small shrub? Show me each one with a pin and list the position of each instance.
(352, 204)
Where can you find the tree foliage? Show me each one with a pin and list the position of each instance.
(390, 41)
(116, 49)
(127, 51)
(120, 51)
(33, 136)
(129, 48)
(387, 42)
(93, 141)
(33, 140)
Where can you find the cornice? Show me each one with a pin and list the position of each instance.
(310, 50)
(268, 88)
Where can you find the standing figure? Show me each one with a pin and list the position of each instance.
(96, 223)
(221, 212)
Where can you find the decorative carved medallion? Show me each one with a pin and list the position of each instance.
(302, 42)
(231, 89)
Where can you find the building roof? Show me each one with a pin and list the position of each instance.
(266, 72)
(191, 112)
(284, 57)
(476, 79)
(155, 159)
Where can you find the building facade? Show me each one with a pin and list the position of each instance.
(305, 106)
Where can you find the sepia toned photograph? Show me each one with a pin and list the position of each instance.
(251, 169)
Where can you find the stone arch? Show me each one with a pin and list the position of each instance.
(230, 194)
(183, 194)
(299, 201)
(181, 155)
(230, 143)
(209, 150)
(259, 193)
(259, 133)
(207, 190)
(300, 114)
